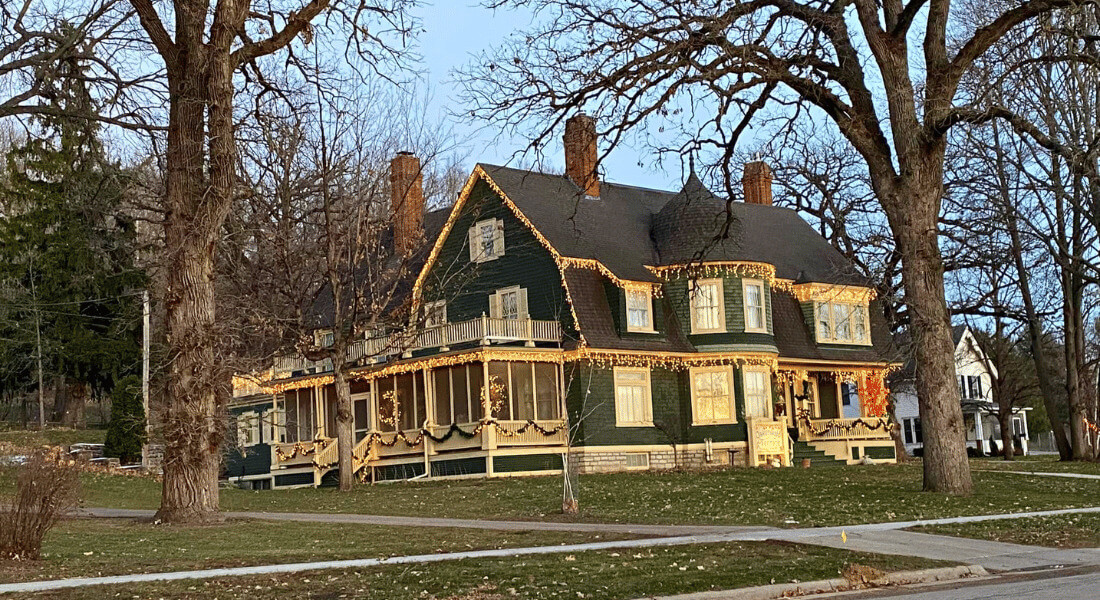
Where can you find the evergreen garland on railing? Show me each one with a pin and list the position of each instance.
(835, 424)
(400, 436)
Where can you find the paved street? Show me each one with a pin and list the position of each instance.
(1072, 587)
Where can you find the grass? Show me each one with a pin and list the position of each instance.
(780, 497)
(95, 547)
(608, 575)
(1035, 464)
(27, 439)
(1056, 531)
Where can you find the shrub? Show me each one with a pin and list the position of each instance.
(46, 489)
(126, 431)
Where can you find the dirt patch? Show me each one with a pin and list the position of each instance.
(861, 575)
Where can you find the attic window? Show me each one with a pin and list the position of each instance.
(639, 312)
(486, 240)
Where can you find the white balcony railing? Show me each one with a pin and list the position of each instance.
(483, 330)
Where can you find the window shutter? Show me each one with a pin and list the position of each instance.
(498, 238)
(494, 306)
(241, 430)
(521, 303)
(472, 238)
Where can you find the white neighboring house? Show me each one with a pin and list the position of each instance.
(975, 377)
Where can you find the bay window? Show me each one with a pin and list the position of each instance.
(756, 320)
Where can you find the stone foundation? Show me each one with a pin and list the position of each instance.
(594, 461)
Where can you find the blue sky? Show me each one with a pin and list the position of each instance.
(454, 32)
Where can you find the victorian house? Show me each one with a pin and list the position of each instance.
(569, 318)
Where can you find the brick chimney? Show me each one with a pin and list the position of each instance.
(757, 183)
(580, 154)
(406, 202)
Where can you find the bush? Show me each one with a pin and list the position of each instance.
(126, 431)
(47, 488)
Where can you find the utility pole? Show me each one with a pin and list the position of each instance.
(38, 348)
(146, 314)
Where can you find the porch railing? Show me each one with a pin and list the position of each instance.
(844, 429)
(482, 330)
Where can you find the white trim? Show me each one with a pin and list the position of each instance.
(693, 286)
(647, 401)
(728, 372)
(745, 285)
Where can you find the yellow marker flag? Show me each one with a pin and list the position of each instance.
(844, 536)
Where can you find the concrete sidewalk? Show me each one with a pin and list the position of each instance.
(884, 538)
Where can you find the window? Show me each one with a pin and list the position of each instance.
(970, 387)
(842, 323)
(755, 317)
(633, 404)
(711, 395)
(757, 393)
(911, 431)
(1018, 427)
(639, 317)
(324, 338)
(248, 429)
(486, 240)
(524, 391)
(637, 460)
(435, 313)
(509, 303)
(707, 315)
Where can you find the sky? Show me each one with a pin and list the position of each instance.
(454, 32)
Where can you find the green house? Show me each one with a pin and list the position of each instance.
(565, 318)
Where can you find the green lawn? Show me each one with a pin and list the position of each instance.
(781, 497)
(26, 439)
(607, 575)
(94, 547)
(1035, 464)
(1058, 531)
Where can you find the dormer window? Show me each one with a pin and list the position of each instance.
(756, 320)
(842, 323)
(486, 240)
(707, 315)
(639, 310)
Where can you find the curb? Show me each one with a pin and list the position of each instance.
(826, 586)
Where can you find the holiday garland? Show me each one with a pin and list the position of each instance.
(833, 425)
(378, 438)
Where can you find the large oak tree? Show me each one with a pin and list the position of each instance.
(212, 45)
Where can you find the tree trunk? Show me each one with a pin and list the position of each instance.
(1073, 326)
(914, 221)
(1008, 443)
(194, 421)
(345, 429)
(901, 454)
(1035, 334)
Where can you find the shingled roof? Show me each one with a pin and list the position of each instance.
(625, 230)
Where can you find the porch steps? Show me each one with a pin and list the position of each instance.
(817, 457)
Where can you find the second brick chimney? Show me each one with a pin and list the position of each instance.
(757, 183)
(406, 202)
(580, 154)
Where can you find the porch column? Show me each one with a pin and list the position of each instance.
(489, 433)
(319, 412)
(978, 432)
